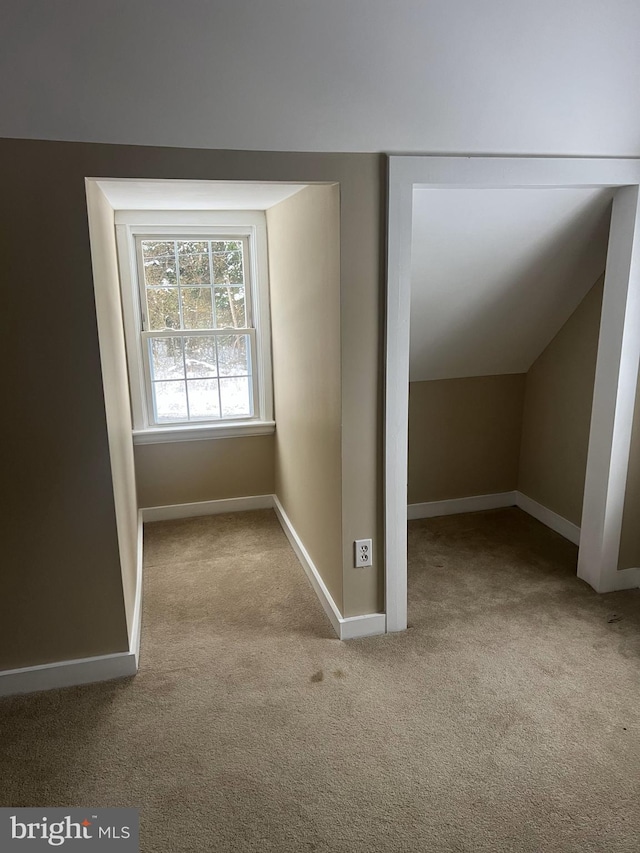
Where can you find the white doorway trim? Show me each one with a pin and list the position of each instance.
(618, 349)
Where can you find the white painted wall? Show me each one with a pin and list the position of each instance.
(337, 75)
(497, 272)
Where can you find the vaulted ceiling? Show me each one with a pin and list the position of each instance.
(496, 273)
(444, 76)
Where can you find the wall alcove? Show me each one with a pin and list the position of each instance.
(513, 302)
(506, 295)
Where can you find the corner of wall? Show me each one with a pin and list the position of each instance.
(115, 383)
(557, 413)
(304, 245)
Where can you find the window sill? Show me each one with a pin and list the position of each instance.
(160, 435)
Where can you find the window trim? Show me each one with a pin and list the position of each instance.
(250, 225)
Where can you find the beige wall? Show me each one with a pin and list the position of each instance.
(61, 594)
(115, 384)
(61, 589)
(190, 471)
(557, 413)
(362, 299)
(630, 537)
(464, 436)
(304, 277)
(526, 431)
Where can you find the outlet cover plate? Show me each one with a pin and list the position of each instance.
(363, 555)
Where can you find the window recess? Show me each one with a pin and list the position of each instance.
(197, 326)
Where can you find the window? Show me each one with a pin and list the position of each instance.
(196, 317)
(196, 287)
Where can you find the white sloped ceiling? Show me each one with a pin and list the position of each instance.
(496, 273)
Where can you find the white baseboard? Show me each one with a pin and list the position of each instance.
(68, 673)
(192, 510)
(136, 628)
(346, 628)
(503, 499)
(369, 625)
(475, 503)
(618, 580)
(551, 519)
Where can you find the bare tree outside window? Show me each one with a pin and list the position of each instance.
(195, 295)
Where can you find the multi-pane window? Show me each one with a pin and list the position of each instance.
(198, 334)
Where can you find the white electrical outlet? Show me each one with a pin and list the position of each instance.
(363, 553)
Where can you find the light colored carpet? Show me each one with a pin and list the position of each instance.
(506, 719)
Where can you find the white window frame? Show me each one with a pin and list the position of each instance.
(250, 227)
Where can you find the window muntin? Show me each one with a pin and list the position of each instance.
(198, 337)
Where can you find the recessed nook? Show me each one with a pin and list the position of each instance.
(494, 286)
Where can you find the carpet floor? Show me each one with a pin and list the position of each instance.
(507, 718)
